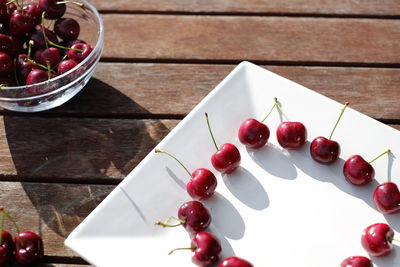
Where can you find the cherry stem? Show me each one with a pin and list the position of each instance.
(11, 219)
(72, 2)
(31, 42)
(3, 218)
(396, 240)
(280, 108)
(18, 5)
(48, 70)
(38, 64)
(387, 151)
(209, 129)
(165, 152)
(55, 66)
(337, 122)
(43, 31)
(166, 222)
(172, 251)
(64, 47)
(275, 104)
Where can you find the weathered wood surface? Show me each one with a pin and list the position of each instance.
(85, 150)
(52, 210)
(135, 90)
(251, 38)
(365, 7)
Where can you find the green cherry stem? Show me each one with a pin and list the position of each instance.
(396, 240)
(209, 129)
(386, 152)
(172, 251)
(166, 222)
(18, 5)
(172, 156)
(72, 2)
(3, 218)
(38, 64)
(43, 31)
(10, 218)
(31, 42)
(337, 122)
(64, 47)
(272, 108)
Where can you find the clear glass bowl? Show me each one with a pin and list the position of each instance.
(56, 91)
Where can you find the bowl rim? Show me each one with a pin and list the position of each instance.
(97, 47)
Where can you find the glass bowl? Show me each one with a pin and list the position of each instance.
(58, 90)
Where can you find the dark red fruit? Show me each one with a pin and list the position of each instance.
(356, 261)
(6, 64)
(196, 216)
(377, 239)
(324, 150)
(357, 171)
(52, 9)
(33, 11)
(66, 65)
(4, 15)
(226, 159)
(37, 76)
(24, 67)
(291, 135)
(234, 262)
(67, 29)
(202, 184)
(50, 55)
(6, 248)
(253, 133)
(21, 24)
(387, 198)
(9, 45)
(207, 249)
(28, 248)
(38, 38)
(79, 55)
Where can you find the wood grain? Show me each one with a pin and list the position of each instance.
(84, 150)
(365, 7)
(51, 210)
(251, 38)
(135, 89)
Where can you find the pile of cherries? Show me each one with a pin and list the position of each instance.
(26, 248)
(193, 215)
(30, 50)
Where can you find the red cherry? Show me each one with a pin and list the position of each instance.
(37, 76)
(49, 55)
(6, 248)
(387, 198)
(79, 56)
(21, 24)
(196, 216)
(207, 249)
(67, 29)
(357, 171)
(356, 261)
(52, 9)
(24, 67)
(325, 150)
(9, 45)
(66, 65)
(291, 135)
(28, 248)
(253, 133)
(234, 262)
(6, 64)
(202, 183)
(4, 15)
(38, 38)
(377, 239)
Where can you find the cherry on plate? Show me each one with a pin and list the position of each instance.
(387, 198)
(356, 261)
(377, 239)
(234, 262)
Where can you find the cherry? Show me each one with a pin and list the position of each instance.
(21, 24)
(227, 158)
(68, 29)
(387, 198)
(325, 150)
(6, 248)
(9, 45)
(377, 239)
(357, 171)
(206, 247)
(24, 67)
(79, 51)
(6, 64)
(4, 15)
(49, 56)
(68, 44)
(38, 36)
(38, 76)
(202, 181)
(28, 248)
(33, 11)
(52, 9)
(234, 262)
(66, 65)
(356, 261)
(192, 215)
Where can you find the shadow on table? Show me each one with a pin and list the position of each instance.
(81, 150)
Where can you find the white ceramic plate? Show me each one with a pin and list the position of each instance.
(279, 209)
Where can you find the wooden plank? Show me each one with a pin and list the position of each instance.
(51, 210)
(86, 150)
(365, 7)
(252, 38)
(135, 89)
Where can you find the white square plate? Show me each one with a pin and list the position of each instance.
(280, 208)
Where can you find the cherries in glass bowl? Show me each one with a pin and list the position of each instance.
(52, 63)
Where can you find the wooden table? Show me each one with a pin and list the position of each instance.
(161, 58)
